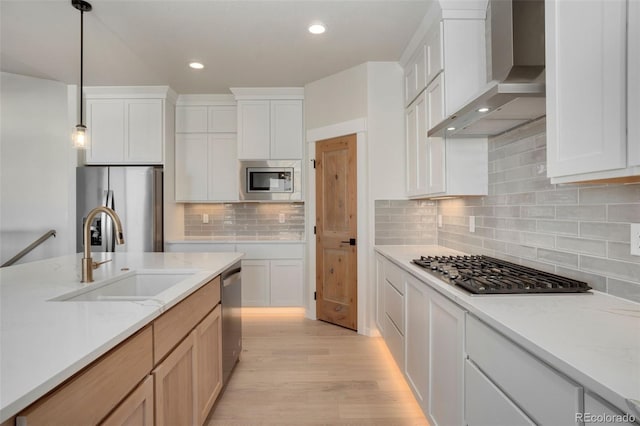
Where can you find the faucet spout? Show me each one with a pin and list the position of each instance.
(88, 265)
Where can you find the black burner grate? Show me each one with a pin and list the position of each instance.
(488, 275)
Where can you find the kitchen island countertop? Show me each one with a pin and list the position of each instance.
(45, 342)
(593, 338)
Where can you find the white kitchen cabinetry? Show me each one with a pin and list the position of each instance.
(206, 167)
(206, 119)
(557, 399)
(446, 361)
(270, 129)
(592, 90)
(206, 150)
(394, 312)
(438, 167)
(270, 123)
(129, 124)
(611, 416)
(425, 64)
(417, 340)
(380, 283)
(272, 274)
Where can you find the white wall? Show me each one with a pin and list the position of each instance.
(385, 125)
(37, 166)
(338, 98)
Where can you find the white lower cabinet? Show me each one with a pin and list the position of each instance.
(255, 283)
(272, 282)
(446, 361)
(547, 397)
(380, 293)
(286, 282)
(417, 340)
(486, 405)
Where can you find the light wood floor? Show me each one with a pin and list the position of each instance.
(300, 372)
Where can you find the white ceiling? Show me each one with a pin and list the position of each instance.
(242, 43)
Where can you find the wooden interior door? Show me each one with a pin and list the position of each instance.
(336, 222)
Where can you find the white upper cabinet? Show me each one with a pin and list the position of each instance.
(592, 90)
(435, 62)
(270, 123)
(126, 125)
(206, 149)
(415, 78)
(633, 83)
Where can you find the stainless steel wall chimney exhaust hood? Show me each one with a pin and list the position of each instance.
(515, 92)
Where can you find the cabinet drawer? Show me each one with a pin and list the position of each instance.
(94, 392)
(395, 341)
(170, 328)
(394, 306)
(394, 275)
(546, 396)
(271, 251)
(486, 405)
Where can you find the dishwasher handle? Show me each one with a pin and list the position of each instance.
(230, 277)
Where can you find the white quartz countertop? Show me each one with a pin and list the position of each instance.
(592, 338)
(44, 342)
(232, 240)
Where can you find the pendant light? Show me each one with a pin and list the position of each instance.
(79, 135)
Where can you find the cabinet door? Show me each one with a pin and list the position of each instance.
(434, 52)
(446, 361)
(255, 283)
(191, 119)
(380, 284)
(633, 83)
(410, 81)
(222, 119)
(223, 167)
(106, 129)
(209, 355)
(437, 165)
(144, 142)
(286, 130)
(435, 102)
(586, 90)
(417, 339)
(286, 282)
(412, 149)
(191, 167)
(486, 405)
(176, 387)
(422, 149)
(254, 130)
(136, 409)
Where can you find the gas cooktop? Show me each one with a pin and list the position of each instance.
(487, 275)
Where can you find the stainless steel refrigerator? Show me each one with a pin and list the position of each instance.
(135, 193)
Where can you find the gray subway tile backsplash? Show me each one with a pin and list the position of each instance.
(576, 230)
(259, 221)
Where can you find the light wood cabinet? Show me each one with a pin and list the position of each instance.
(270, 129)
(176, 386)
(592, 90)
(209, 362)
(126, 125)
(206, 167)
(89, 396)
(136, 410)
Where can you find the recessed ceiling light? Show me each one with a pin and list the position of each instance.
(317, 29)
(451, 128)
(485, 109)
(196, 65)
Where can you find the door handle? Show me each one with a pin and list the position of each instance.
(351, 242)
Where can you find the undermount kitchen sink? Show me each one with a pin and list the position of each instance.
(137, 285)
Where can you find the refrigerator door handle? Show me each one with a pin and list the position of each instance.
(108, 223)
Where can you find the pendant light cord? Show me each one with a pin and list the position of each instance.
(81, 60)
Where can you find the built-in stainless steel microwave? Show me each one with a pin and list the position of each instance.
(270, 180)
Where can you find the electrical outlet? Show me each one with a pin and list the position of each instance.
(439, 221)
(281, 218)
(472, 224)
(205, 218)
(635, 239)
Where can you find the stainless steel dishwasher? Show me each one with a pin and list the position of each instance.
(231, 319)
